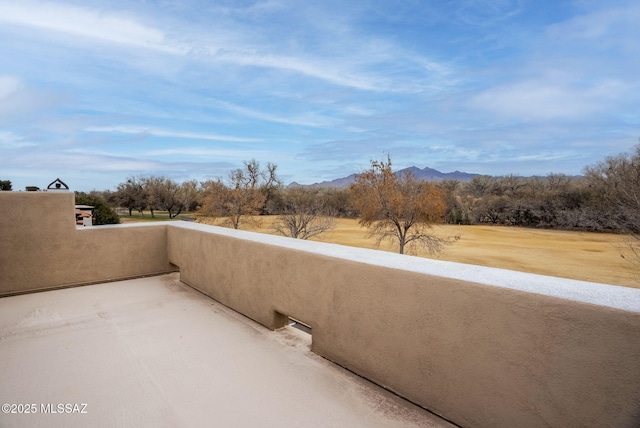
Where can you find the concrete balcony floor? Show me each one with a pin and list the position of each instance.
(155, 352)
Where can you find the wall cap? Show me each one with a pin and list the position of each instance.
(612, 296)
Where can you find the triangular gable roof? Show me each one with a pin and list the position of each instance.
(52, 185)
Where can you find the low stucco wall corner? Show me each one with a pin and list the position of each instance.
(41, 247)
(482, 347)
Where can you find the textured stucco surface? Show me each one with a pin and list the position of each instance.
(481, 355)
(153, 352)
(41, 247)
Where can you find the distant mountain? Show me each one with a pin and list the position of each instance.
(338, 182)
(430, 174)
(427, 174)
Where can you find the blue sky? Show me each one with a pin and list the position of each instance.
(94, 91)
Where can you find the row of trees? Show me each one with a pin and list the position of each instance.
(554, 201)
(402, 208)
(606, 198)
(601, 200)
(590, 202)
(155, 193)
(247, 192)
(398, 208)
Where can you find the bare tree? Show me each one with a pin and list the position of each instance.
(170, 197)
(164, 194)
(132, 194)
(401, 208)
(481, 185)
(245, 195)
(270, 186)
(214, 194)
(617, 183)
(454, 211)
(508, 185)
(304, 215)
(557, 181)
(189, 195)
(153, 191)
(231, 202)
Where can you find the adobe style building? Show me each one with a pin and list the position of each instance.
(183, 324)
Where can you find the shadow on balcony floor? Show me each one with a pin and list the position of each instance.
(154, 352)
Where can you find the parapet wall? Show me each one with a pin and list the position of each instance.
(41, 247)
(469, 343)
(482, 347)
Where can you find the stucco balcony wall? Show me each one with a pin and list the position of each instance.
(482, 347)
(472, 344)
(41, 247)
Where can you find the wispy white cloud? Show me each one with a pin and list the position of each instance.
(317, 87)
(603, 27)
(486, 12)
(350, 65)
(570, 72)
(235, 154)
(18, 99)
(311, 119)
(548, 100)
(10, 140)
(381, 68)
(323, 70)
(9, 85)
(86, 22)
(544, 157)
(164, 133)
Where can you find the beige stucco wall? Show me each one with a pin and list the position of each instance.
(40, 246)
(477, 354)
(481, 347)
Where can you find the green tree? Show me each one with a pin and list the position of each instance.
(102, 212)
(399, 208)
(5, 185)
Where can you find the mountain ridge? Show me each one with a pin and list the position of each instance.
(427, 174)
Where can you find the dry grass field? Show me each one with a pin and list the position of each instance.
(576, 255)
